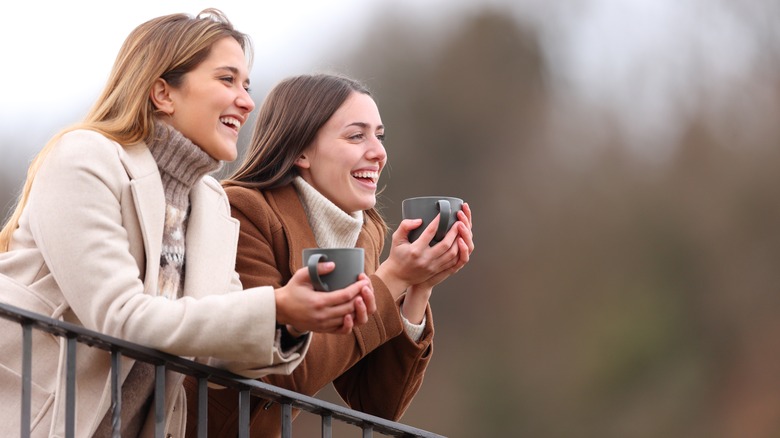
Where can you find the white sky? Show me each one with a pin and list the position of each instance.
(57, 55)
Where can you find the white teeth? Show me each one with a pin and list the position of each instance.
(230, 121)
(372, 175)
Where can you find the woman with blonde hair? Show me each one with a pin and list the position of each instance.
(119, 229)
(310, 179)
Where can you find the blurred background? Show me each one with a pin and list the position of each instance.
(622, 161)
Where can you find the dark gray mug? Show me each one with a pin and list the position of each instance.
(349, 264)
(427, 208)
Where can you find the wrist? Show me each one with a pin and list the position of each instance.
(393, 282)
(415, 303)
(295, 333)
(281, 317)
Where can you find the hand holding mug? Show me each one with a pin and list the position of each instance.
(428, 208)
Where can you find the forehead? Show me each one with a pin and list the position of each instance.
(226, 54)
(357, 108)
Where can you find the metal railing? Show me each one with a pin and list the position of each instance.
(162, 362)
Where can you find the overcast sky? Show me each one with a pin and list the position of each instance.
(57, 55)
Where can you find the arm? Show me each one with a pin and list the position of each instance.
(385, 382)
(79, 210)
(400, 359)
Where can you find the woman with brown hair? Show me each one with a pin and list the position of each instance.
(309, 179)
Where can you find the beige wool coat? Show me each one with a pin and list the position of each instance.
(87, 251)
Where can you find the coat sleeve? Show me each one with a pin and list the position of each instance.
(76, 218)
(385, 381)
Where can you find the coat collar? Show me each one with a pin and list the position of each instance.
(290, 211)
(149, 202)
(212, 235)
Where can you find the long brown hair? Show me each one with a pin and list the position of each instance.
(165, 47)
(288, 121)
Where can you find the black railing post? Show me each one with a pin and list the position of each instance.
(26, 378)
(243, 413)
(70, 389)
(327, 419)
(286, 420)
(203, 407)
(159, 401)
(116, 394)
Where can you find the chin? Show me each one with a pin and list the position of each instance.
(227, 154)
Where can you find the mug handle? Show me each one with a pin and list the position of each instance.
(444, 218)
(316, 280)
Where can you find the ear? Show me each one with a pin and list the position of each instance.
(302, 162)
(161, 96)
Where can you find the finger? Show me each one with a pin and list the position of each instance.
(448, 242)
(346, 326)
(430, 232)
(361, 314)
(406, 226)
(467, 236)
(325, 267)
(369, 300)
(345, 295)
(466, 210)
(301, 276)
(464, 252)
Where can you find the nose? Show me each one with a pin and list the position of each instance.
(244, 101)
(376, 150)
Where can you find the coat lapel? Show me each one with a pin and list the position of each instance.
(289, 209)
(149, 201)
(212, 238)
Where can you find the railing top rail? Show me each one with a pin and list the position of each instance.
(215, 375)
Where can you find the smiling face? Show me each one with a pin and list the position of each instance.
(346, 157)
(212, 102)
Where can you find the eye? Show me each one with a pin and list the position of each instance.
(381, 137)
(227, 79)
(358, 136)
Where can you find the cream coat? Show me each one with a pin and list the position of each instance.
(87, 251)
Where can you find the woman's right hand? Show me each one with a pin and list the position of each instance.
(411, 263)
(305, 309)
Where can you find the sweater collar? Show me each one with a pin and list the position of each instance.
(332, 227)
(180, 161)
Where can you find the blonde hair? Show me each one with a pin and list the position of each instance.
(165, 47)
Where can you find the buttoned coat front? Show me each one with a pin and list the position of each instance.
(87, 251)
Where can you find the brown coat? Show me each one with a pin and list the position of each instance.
(376, 369)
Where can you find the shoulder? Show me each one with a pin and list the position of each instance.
(251, 207)
(245, 197)
(85, 144)
(83, 154)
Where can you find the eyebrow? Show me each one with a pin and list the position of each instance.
(364, 125)
(232, 70)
